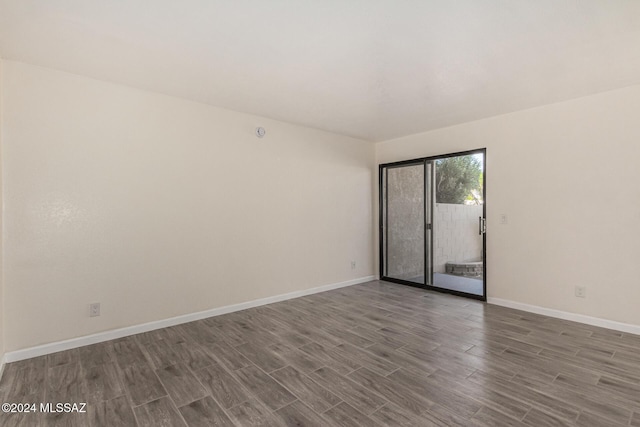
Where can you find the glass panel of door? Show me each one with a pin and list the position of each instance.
(404, 219)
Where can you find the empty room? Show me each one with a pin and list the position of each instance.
(320, 213)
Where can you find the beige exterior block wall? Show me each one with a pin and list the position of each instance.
(456, 237)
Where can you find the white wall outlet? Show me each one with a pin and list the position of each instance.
(353, 265)
(94, 309)
(503, 219)
(581, 291)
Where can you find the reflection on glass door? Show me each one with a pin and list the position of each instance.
(432, 231)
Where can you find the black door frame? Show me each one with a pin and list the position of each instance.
(382, 227)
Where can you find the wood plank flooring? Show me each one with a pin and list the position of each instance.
(375, 354)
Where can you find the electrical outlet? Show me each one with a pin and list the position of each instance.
(581, 291)
(503, 219)
(94, 309)
(353, 265)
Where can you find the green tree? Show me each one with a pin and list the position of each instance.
(458, 179)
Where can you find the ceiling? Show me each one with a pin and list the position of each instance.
(372, 69)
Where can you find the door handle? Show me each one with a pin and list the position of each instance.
(482, 225)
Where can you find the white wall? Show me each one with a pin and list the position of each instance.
(568, 177)
(157, 207)
(1, 233)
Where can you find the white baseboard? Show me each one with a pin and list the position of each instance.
(580, 318)
(41, 350)
(2, 360)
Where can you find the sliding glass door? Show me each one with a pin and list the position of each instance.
(404, 216)
(432, 227)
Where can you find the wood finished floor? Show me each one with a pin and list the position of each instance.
(376, 354)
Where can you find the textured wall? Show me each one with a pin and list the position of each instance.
(456, 235)
(405, 231)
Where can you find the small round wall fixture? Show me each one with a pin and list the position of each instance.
(260, 132)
